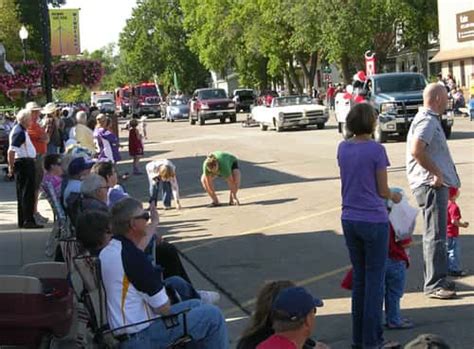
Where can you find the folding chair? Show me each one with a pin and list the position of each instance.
(35, 307)
(95, 301)
(62, 225)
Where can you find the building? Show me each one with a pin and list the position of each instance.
(456, 33)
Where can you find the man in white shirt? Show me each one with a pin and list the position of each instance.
(21, 163)
(136, 290)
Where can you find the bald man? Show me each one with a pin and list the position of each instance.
(430, 172)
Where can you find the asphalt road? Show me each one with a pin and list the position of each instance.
(288, 225)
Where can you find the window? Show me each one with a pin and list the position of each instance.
(463, 73)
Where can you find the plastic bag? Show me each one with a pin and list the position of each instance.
(403, 219)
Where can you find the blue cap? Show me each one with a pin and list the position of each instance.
(295, 303)
(78, 165)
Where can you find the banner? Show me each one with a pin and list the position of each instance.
(65, 38)
(369, 63)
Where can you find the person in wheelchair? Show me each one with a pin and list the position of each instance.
(136, 290)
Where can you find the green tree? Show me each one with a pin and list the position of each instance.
(154, 43)
(9, 27)
(29, 16)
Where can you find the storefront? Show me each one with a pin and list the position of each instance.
(456, 33)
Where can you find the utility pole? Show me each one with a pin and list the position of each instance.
(46, 40)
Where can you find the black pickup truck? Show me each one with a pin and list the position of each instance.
(397, 97)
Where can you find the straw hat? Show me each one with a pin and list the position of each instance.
(49, 108)
(32, 106)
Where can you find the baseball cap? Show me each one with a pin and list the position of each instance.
(78, 165)
(427, 341)
(295, 303)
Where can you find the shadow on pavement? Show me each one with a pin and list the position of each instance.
(462, 135)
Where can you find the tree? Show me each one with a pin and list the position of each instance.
(29, 16)
(154, 42)
(9, 27)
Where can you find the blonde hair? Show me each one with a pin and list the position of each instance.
(166, 172)
(212, 164)
(101, 120)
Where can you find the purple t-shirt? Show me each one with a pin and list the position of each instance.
(358, 164)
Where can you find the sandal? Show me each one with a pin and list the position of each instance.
(214, 204)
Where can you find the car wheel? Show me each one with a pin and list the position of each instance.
(278, 128)
(222, 120)
(263, 127)
(321, 126)
(172, 120)
(191, 120)
(233, 118)
(201, 120)
(379, 135)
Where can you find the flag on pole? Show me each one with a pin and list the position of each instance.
(175, 81)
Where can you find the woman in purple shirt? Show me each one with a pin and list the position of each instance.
(363, 168)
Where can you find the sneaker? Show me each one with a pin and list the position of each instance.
(209, 297)
(32, 225)
(457, 273)
(405, 324)
(442, 293)
(39, 219)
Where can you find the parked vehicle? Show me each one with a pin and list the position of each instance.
(122, 100)
(266, 97)
(243, 98)
(178, 108)
(146, 100)
(396, 98)
(106, 106)
(211, 103)
(102, 95)
(290, 112)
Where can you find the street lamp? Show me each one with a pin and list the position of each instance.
(23, 36)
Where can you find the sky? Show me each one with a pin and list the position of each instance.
(101, 21)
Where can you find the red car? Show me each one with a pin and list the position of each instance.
(209, 104)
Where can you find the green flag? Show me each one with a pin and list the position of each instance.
(175, 81)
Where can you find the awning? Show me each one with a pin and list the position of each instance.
(450, 55)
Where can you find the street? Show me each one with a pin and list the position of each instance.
(287, 227)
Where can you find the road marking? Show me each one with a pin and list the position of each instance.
(267, 227)
(304, 282)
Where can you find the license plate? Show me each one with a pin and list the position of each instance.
(185, 115)
(220, 114)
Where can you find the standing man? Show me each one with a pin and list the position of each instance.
(40, 140)
(430, 172)
(21, 162)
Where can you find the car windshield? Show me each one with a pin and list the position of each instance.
(244, 93)
(148, 90)
(212, 94)
(293, 100)
(179, 101)
(388, 84)
(102, 101)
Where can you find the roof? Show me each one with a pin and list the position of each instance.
(209, 89)
(449, 55)
(394, 74)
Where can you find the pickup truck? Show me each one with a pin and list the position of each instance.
(396, 97)
(211, 104)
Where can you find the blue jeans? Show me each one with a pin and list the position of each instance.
(368, 249)
(395, 273)
(206, 326)
(163, 188)
(185, 291)
(454, 254)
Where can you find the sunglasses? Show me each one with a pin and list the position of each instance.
(144, 215)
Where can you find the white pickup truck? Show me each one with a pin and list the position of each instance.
(290, 112)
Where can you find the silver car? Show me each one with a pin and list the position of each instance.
(177, 108)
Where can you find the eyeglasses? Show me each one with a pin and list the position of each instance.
(144, 215)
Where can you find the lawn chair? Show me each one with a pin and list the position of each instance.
(62, 225)
(35, 307)
(94, 299)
